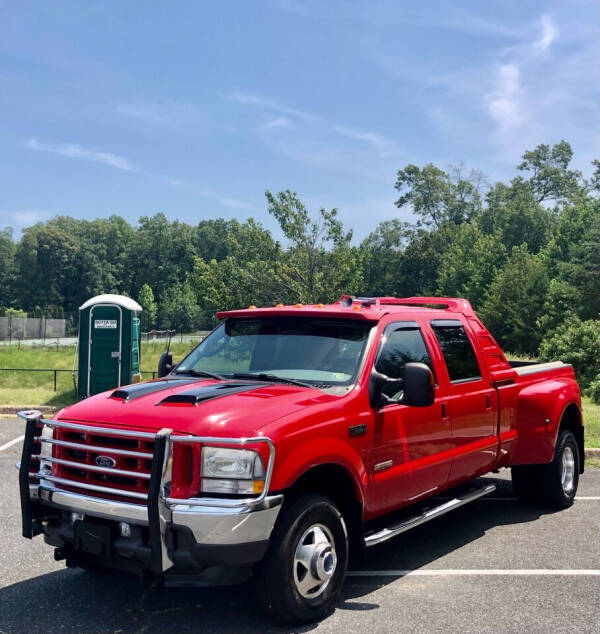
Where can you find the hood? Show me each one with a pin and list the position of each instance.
(195, 406)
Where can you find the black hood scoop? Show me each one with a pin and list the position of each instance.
(206, 393)
(132, 392)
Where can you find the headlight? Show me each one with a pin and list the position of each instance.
(231, 471)
(46, 448)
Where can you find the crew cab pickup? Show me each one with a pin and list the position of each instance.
(293, 435)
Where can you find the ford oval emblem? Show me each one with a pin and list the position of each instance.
(106, 461)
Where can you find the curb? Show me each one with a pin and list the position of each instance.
(12, 410)
(592, 452)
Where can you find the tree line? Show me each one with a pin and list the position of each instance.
(526, 253)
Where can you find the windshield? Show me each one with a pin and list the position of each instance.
(324, 352)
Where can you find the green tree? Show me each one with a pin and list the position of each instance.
(573, 256)
(549, 175)
(382, 250)
(469, 264)
(420, 262)
(48, 267)
(436, 196)
(561, 304)
(515, 302)
(7, 267)
(320, 264)
(595, 181)
(232, 283)
(578, 343)
(161, 254)
(178, 308)
(515, 217)
(217, 239)
(146, 301)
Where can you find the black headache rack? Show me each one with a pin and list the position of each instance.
(36, 478)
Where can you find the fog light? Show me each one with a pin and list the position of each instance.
(125, 529)
(75, 517)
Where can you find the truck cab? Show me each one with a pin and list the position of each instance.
(293, 435)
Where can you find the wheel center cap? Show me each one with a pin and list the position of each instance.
(323, 562)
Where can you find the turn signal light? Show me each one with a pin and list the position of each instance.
(258, 486)
(186, 470)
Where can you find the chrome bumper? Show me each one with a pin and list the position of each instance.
(213, 522)
(210, 525)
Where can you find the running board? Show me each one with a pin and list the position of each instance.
(395, 529)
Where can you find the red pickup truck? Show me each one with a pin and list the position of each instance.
(293, 435)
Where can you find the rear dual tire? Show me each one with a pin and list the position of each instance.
(553, 484)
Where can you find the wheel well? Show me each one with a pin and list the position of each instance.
(335, 482)
(571, 421)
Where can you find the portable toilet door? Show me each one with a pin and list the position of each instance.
(108, 343)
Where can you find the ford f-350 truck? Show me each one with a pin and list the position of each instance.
(292, 435)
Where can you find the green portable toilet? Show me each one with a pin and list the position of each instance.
(109, 344)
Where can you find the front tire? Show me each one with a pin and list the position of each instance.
(553, 484)
(301, 576)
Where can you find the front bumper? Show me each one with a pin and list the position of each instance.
(165, 532)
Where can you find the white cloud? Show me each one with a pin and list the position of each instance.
(503, 100)
(20, 219)
(73, 150)
(548, 35)
(385, 147)
(248, 99)
(27, 217)
(175, 182)
(224, 201)
(144, 112)
(277, 123)
(164, 114)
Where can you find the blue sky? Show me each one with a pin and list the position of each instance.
(195, 108)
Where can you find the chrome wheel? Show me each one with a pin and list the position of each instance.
(315, 561)
(567, 470)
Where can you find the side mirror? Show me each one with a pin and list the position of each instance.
(418, 385)
(377, 381)
(165, 364)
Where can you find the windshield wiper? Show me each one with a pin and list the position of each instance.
(261, 376)
(210, 375)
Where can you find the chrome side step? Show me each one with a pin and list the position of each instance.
(395, 529)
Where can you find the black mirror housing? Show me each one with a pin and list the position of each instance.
(377, 397)
(165, 364)
(418, 385)
(376, 385)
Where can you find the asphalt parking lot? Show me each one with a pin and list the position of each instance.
(491, 566)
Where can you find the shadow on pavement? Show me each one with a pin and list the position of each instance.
(78, 601)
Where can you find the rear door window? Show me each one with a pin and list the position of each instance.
(457, 350)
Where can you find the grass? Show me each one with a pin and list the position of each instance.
(36, 388)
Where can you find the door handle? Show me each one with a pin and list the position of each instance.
(488, 403)
(445, 417)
